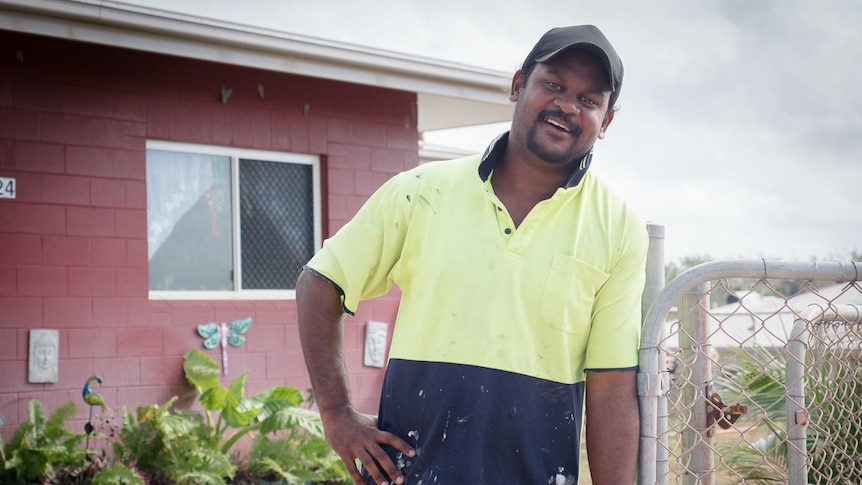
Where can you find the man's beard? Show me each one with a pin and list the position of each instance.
(554, 157)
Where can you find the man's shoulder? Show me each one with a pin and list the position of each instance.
(448, 166)
(443, 170)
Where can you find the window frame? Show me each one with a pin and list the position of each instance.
(235, 155)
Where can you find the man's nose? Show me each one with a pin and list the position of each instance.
(568, 104)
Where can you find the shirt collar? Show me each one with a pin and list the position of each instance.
(494, 153)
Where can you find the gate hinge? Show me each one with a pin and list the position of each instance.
(653, 385)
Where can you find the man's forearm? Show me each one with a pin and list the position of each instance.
(320, 334)
(613, 427)
(352, 435)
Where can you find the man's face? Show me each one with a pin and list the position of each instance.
(562, 109)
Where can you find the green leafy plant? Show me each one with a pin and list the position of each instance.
(118, 474)
(173, 447)
(141, 440)
(271, 410)
(160, 445)
(42, 448)
(300, 455)
(184, 447)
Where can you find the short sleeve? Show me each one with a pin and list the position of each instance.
(616, 322)
(359, 258)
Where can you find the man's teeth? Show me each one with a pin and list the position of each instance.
(558, 124)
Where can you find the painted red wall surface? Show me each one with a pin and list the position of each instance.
(74, 120)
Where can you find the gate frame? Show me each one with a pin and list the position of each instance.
(797, 415)
(653, 385)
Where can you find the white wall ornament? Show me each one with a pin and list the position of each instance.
(376, 337)
(44, 355)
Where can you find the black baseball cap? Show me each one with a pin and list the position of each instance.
(586, 37)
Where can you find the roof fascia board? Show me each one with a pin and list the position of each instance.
(158, 31)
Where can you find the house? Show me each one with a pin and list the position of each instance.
(756, 320)
(159, 172)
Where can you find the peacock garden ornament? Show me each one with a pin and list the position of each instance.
(93, 399)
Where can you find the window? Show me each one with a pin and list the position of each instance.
(229, 223)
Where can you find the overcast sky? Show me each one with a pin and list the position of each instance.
(741, 121)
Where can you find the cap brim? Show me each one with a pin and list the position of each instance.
(606, 62)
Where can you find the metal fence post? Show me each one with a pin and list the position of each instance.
(650, 384)
(795, 405)
(654, 267)
(797, 346)
(694, 346)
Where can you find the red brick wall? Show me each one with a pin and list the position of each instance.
(74, 120)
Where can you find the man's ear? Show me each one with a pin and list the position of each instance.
(517, 84)
(607, 121)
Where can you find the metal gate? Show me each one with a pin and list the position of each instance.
(750, 372)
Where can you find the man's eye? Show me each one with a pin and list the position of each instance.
(553, 85)
(589, 102)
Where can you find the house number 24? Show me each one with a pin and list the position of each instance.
(7, 188)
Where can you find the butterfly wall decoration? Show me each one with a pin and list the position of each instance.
(222, 334)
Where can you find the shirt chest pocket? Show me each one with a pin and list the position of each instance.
(569, 293)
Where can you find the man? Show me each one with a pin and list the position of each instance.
(521, 276)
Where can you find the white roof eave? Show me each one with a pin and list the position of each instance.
(449, 95)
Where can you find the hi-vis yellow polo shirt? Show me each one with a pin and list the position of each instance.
(497, 323)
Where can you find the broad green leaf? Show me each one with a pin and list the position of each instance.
(250, 404)
(291, 395)
(237, 413)
(201, 370)
(289, 418)
(118, 474)
(237, 387)
(175, 425)
(214, 398)
(275, 399)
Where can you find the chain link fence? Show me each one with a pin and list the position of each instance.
(750, 373)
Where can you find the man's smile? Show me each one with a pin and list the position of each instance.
(558, 124)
